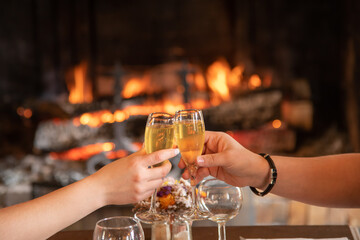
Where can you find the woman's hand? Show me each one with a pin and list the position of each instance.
(129, 180)
(123, 181)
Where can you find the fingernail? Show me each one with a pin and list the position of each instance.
(200, 160)
(176, 151)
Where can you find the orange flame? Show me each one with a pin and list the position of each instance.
(80, 88)
(197, 80)
(97, 119)
(217, 79)
(135, 86)
(276, 123)
(254, 82)
(83, 153)
(221, 77)
(235, 76)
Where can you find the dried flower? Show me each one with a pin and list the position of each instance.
(173, 196)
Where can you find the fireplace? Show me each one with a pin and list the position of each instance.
(78, 79)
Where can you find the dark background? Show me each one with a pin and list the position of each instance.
(41, 40)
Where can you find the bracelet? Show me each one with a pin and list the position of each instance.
(273, 176)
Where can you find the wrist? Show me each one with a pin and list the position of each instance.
(95, 191)
(262, 174)
(272, 178)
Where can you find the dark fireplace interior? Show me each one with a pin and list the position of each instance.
(295, 65)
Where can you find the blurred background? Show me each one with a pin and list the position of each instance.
(78, 78)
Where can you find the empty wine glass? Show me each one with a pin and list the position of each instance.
(221, 200)
(159, 134)
(118, 228)
(190, 136)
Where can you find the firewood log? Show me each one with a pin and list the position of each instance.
(247, 112)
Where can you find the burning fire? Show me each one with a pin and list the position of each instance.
(217, 84)
(220, 77)
(136, 86)
(217, 77)
(83, 153)
(80, 88)
(254, 82)
(97, 119)
(220, 81)
(200, 82)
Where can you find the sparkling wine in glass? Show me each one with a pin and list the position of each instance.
(118, 228)
(190, 136)
(222, 201)
(159, 134)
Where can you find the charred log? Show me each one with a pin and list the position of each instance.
(60, 136)
(250, 111)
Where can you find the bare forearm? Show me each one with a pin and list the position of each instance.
(326, 181)
(332, 180)
(112, 184)
(44, 216)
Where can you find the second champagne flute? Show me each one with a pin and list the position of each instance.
(190, 137)
(159, 134)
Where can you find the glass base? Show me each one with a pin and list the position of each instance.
(151, 217)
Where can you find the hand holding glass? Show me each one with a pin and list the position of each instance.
(190, 137)
(159, 134)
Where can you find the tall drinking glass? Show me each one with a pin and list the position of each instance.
(118, 228)
(190, 136)
(159, 134)
(222, 201)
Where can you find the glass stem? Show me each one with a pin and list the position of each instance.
(193, 186)
(193, 195)
(221, 231)
(153, 202)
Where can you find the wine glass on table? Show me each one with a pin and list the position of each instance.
(159, 134)
(118, 228)
(190, 137)
(221, 200)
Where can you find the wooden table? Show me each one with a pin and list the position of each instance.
(209, 233)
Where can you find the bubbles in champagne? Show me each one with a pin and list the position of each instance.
(190, 137)
(157, 137)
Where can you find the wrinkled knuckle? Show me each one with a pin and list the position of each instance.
(137, 189)
(136, 168)
(137, 178)
(157, 157)
(212, 158)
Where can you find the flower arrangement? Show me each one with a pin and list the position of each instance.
(174, 196)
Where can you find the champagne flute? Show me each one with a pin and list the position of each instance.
(222, 201)
(118, 228)
(159, 134)
(190, 137)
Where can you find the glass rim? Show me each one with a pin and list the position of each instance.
(188, 110)
(161, 113)
(130, 225)
(226, 185)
